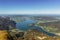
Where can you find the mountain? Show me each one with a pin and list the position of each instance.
(6, 23)
(34, 34)
(51, 26)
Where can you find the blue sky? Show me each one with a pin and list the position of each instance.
(29, 6)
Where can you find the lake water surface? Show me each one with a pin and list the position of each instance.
(24, 26)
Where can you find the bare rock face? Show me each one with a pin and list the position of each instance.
(6, 23)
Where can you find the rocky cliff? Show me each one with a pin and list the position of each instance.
(6, 23)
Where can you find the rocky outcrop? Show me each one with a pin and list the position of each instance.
(5, 26)
(34, 34)
(6, 23)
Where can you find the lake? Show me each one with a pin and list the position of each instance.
(24, 26)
